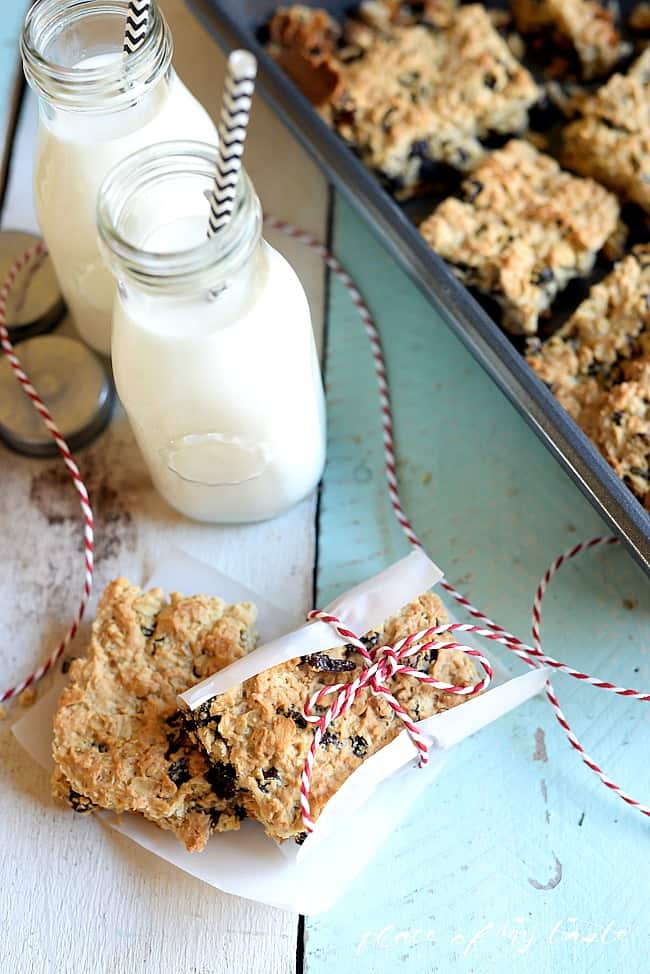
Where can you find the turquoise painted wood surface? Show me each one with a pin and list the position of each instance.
(517, 858)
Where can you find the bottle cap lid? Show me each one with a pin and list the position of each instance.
(35, 303)
(74, 386)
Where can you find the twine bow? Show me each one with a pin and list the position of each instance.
(379, 666)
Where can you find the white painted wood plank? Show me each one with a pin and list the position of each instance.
(19, 212)
(72, 896)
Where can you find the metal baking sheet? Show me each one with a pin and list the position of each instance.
(237, 23)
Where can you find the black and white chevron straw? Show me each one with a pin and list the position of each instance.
(233, 122)
(137, 21)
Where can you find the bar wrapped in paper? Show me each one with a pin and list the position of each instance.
(374, 798)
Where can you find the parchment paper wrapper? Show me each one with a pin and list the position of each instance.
(374, 799)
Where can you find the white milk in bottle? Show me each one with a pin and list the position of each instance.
(213, 350)
(97, 106)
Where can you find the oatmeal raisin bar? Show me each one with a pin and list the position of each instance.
(598, 367)
(120, 742)
(584, 27)
(523, 230)
(611, 139)
(256, 736)
(410, 98)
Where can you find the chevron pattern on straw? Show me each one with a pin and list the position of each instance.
(137, 21)
(235, 110)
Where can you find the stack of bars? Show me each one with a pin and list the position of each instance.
(122, 744)
(434, 96)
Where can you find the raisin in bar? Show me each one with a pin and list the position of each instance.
(256, 737)
(120, 742)
(611, 139)
(412, 99)
(523, 230)
(639, 19)
(598, 367)
(578, 28)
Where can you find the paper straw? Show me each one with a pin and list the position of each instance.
(137, 21)
(237, 97)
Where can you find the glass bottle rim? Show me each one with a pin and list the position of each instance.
(101, 87)
(204, 265)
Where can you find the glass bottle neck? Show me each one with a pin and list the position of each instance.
(119, 122)
(73, 56)
(153, 218)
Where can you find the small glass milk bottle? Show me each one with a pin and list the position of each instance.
(97, 105)
(213, 350)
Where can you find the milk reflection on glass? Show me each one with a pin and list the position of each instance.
(96, 107)
(213, 350)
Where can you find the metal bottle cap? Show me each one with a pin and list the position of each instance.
(73, 385)
(35, 303)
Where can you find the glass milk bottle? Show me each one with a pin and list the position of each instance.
(97, 105)
(213, 350)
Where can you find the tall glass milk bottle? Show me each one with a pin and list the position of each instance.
(97, 105)
(213, 350)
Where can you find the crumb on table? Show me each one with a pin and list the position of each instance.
(27, 697)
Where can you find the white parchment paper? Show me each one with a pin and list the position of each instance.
(371, 803)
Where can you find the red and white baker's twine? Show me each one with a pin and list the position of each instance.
(532, 655)
(64, 450)
(381, 663)
(378, 357)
